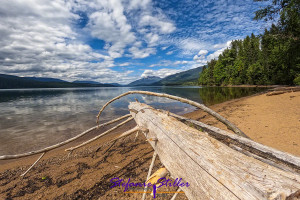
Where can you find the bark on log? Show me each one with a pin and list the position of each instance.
(213, 169)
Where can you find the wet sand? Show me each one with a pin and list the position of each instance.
(85, 174)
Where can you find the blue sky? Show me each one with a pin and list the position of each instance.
(118, 40)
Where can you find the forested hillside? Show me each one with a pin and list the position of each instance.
(270, 58)
(12, 82)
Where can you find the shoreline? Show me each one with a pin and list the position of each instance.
(86, 173)
(272, 120)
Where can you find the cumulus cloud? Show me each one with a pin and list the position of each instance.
(110, 24)
(181, 62)
(202, 58)
(136, 4)
(42, 38)
(138, 51)
(157, 24)
(221, 47)
(190, 46)
(160, 73)
(202, 52)
(38, 37)
(170, 52)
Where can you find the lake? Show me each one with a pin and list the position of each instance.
(34, 118)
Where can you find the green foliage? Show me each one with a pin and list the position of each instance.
(297, 80)
(271, 58)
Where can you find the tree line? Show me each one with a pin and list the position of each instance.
(267, 59)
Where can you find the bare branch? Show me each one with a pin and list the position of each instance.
(97, 137)
(33, 164)
(149, 174)
(135, 129)
(175, 195)
(7, 157)
(230, 125)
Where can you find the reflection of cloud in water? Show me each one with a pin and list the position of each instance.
(151, 99)
(32, 119)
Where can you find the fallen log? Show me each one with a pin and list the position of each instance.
(272, 156)
(213, 169)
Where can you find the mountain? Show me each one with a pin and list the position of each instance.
(94, 82)
(89, 82)
(10, 81)
(116, 84)
(44, 79)
(145, 81)
(189, 77)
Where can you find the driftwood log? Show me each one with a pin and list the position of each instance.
(213, 169)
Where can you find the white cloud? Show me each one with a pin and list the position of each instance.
(222, 45)
(164, 48)
(170, 52)
(181, 62)
(141, 53)
(202, 58)
(152, 39)
(160, 73)
(110, 24)
(135, 4)
(43, 38)
(190, 46)
(202, 52)
(159, 25)
(219, 51)
(38, 37)
(124, 64)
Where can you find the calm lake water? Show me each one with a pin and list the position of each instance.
(34, 118)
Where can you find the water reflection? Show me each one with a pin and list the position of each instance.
(35, 118)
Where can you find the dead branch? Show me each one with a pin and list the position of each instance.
(33, 164)
(175, 195)
(135, 129)
(230, 125)
(149, 174)
(7, 157)
(101, 135)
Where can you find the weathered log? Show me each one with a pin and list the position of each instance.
(271, 156)
(213, 169)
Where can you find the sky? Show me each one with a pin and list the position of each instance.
(118, 41)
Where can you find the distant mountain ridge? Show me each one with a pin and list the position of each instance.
(12, 82)
(145, 81)
(42, 79)
(186, 77)
(189, 77)
(89, 82)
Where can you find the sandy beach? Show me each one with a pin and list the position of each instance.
(85, 174)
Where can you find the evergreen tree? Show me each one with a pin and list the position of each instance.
(271, 58)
